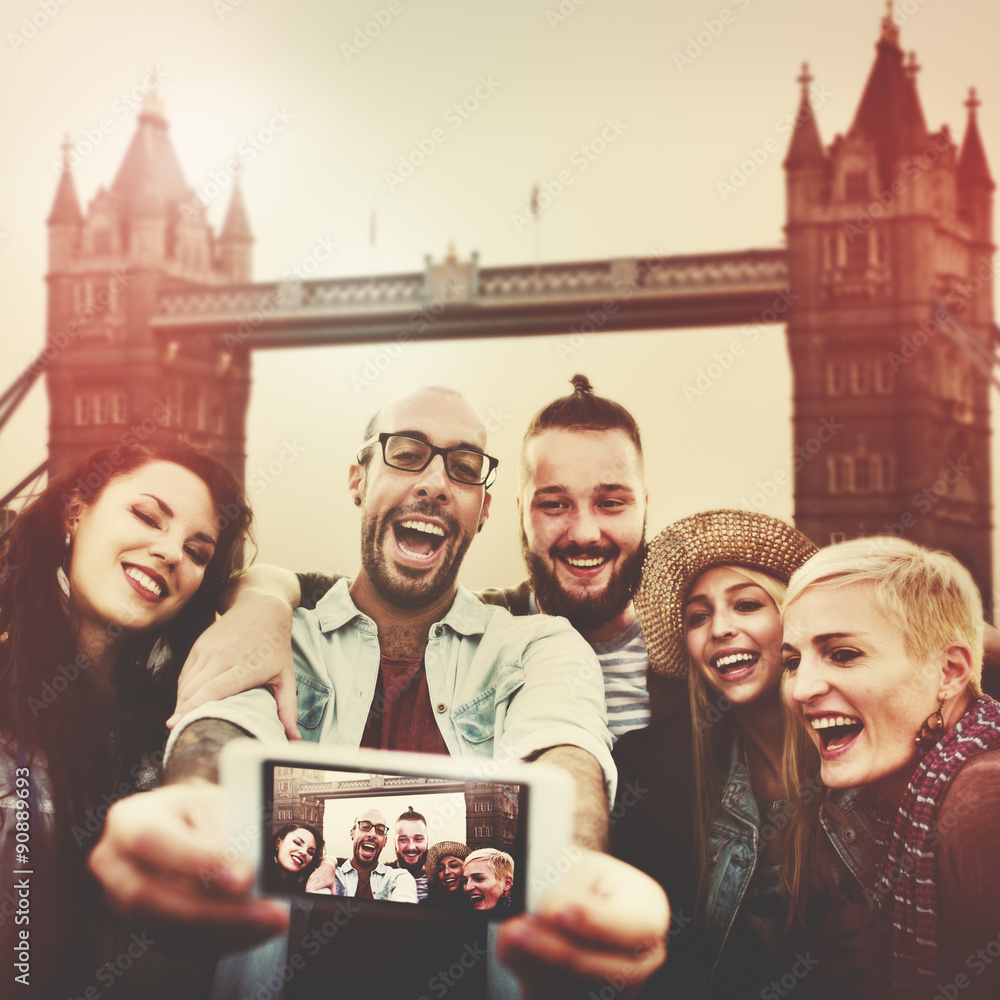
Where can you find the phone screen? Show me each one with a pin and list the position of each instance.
(445, 845)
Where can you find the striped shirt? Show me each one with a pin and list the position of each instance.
(624, 663)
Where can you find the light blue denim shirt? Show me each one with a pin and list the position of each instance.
(500, 687)
(387, 883)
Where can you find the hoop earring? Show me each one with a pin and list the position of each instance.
(930, 731)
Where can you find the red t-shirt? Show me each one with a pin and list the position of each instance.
(401, 717)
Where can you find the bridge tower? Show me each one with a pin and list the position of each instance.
(889, 233)
(110, 382)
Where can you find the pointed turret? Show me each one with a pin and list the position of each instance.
(972, 166)
(236, 226)
(65, 220)
(236, 238)
(66, 206)
(890, 114)
(150, 168)
(974, 183)
(806, 147)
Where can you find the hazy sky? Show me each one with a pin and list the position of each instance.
(550, 74)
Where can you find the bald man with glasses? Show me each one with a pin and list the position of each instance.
(363, 875)
(402, 657)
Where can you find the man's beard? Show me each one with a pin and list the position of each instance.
(415, 870)
(588, 612)
(366, 865)
(392, 583)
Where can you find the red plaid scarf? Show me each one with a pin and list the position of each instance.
(906, 882)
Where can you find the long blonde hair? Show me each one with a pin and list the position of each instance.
(713, 732)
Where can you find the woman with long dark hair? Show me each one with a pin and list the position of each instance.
(298, 851)
(106, 579)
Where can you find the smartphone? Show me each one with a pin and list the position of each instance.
(411, 834)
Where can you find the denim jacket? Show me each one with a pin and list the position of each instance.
(733, 849)
(735, 843)
(854, 839)
(500, 686)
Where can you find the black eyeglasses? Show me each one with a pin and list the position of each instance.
(365, 827)
(470, 468)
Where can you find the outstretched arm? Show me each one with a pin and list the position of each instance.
(163, 857)
(248, 647)
(590, 820)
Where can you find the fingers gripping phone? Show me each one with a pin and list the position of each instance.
(412, 834)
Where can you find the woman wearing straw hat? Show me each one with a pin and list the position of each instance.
(445, 882)
(709, 607)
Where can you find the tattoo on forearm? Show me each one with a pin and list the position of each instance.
(196, 752)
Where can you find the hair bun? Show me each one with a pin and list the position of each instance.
(581, 384)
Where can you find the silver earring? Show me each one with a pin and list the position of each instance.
(69, 538)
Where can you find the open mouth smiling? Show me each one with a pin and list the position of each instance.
(583, 562)
(147, 585)
(418, 538)
(449, 881)
(735, 663)
(836, 732)
(476, 897)
(368, 850)
(299, 860)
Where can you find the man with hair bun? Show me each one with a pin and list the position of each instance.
(411, 848)
(582, 508)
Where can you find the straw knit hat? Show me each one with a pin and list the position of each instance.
(442, 849)
(684, 550)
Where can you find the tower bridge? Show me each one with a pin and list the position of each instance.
(147, 304)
